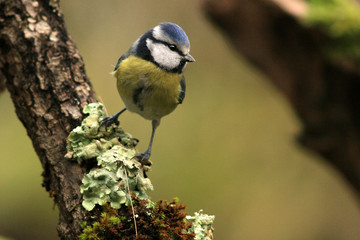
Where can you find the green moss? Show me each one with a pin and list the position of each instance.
(161, 220)
(117, 170)
(340, 21)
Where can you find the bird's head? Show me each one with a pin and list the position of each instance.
(166, 45)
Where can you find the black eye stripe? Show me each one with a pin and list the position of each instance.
(168, 45)
(173, 47)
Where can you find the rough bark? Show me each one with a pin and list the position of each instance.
(45, 76)
(324, 93)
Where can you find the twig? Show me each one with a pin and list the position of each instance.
(132, 206)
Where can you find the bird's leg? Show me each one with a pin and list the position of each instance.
(143, 157)
(107, 121)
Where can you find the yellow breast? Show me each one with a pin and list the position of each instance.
(147, 89)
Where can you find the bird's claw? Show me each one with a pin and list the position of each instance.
(107, 121)
(143, 158)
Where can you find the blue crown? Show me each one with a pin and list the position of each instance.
(176, 33)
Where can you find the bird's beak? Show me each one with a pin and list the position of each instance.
(189, 58)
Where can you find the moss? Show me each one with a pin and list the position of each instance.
(340, 21)
(161, 220)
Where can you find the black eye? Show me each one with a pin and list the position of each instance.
(172, 47)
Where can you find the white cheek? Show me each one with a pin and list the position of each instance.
(163, 55)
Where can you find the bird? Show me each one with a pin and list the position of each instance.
(150, 78)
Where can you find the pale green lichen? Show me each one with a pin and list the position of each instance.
(117, 172)
(99, 187)
(202, 225)
(88, 141)
(340, 21)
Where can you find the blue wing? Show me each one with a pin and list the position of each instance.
(182, 91)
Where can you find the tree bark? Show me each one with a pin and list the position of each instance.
(324, 93)
(45, 76)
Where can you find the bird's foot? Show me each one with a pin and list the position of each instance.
(107, 121)
(143, 158)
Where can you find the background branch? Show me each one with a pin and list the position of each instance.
(323, 92)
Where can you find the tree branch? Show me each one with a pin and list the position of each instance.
(46, 78)
(323, 92)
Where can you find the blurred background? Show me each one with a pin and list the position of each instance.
(229, 149)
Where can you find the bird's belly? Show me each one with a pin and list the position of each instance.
(146, 89)
(152, 106)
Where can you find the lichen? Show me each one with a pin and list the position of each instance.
(340, 21)
(202, 225)
(117, 172)
(99, 187)
(87, 141)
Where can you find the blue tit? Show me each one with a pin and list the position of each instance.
(150, 76)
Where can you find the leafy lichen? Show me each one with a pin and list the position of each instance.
(340, 21)
(201, 225)
(117, 172)
(87, 141)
